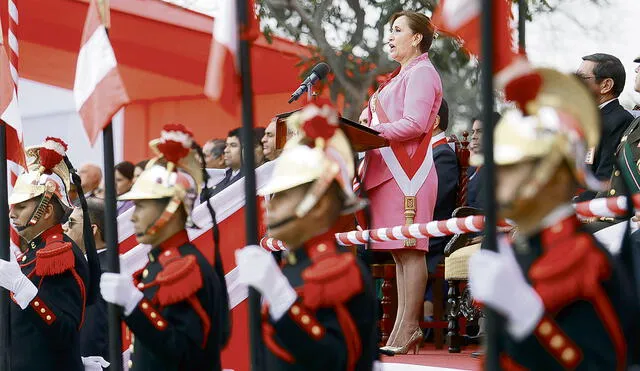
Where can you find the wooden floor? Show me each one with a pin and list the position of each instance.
(435, 359)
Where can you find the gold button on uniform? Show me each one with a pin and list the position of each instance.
(48, 317)
(153, 315)
(145, 273)
(141, 285)
(145, 305)
(130, 363)
(305, 319)
(36, 303)
(160, 323)
(43, 310)
(545, 328)
(24, 258)
(315, 330)
(568, 355)
(612, 192)
(616, 173)
(322, 247)
(295, 310)
(557, 342)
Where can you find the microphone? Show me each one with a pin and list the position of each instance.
(318, 72)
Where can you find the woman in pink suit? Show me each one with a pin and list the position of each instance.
(401, 179)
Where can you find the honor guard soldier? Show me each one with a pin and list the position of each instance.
(568, 304)
(176, 306)
(49, 283)
(321, 307)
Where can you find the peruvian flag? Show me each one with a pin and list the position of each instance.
(461, 18)
(98, 89)
(222, 81)
(9, 112)
(10, 117)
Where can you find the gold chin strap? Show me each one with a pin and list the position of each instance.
(42, 205)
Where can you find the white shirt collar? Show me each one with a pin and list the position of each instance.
(605, 103)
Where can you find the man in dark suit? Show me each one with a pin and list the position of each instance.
(444, 157)
(94, 334)
(475, 193)
(233, 160)
(604, 75)
(632, 153)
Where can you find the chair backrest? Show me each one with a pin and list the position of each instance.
(462, 153)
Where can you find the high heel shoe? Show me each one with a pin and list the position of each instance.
(387, 350)
(414, 343)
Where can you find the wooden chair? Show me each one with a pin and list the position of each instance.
(386, 271)
(460, 307)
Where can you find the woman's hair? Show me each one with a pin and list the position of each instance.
(418, 23)
(142, 164)
(125, 168)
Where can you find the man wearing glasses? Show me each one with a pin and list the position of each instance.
(94, 335)
(604, 75)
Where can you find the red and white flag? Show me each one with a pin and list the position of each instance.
(461, 18)
(10, 117)
(98, 90)
(9, 111)
(222, 81)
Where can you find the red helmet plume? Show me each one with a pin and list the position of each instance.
(51, 153)
(175, 142)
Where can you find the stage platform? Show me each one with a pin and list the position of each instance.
(431, 359)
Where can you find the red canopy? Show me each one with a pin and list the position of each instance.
(162, 50)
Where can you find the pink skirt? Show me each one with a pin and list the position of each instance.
(387, 209)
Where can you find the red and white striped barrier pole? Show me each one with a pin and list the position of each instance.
(271, 244)
(439, 228)
(609, 207)
(600, 207)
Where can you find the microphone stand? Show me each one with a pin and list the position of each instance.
(309, 92)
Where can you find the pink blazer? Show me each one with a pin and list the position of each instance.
(411, 101)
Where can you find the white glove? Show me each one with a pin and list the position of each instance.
(259, 269)
(497, 281)
(12, 279)
(118, 288)
(94, 363)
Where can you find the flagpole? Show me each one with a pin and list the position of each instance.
(522, 25)
(111, 239)
(5, 331)
(489, 241)
(114, 312)
(248, 164)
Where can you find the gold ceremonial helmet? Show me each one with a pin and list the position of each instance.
(175, 173)
(320, 153)
(563, 124)
(47, 175)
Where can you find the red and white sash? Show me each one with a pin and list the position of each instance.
(408, 173)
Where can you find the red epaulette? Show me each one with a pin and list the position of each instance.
(55, 258)
(332, 279)
(179, 279)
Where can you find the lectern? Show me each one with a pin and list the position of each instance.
(362, 138)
